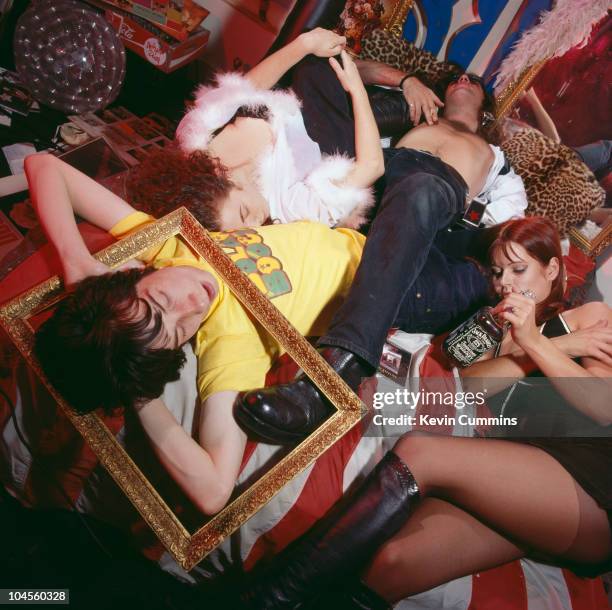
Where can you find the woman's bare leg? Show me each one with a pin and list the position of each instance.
(440, 542)
(494, 500)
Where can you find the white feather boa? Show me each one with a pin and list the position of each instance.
(566, 25)
(215, 106)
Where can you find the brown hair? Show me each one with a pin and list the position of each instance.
(540, 237)
(96, 350)
(170, 178)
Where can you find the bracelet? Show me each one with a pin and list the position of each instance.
(403, 80)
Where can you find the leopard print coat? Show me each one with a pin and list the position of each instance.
(558, 184)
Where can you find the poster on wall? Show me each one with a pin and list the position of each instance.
(476, 35)
(242, 31)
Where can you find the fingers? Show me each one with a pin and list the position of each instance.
(419, 108)
(347, 73)
(604, 354)
(330, 43)
(422, 102)
(337, 68)
(516, 300)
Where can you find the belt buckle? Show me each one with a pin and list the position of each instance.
(475, 211)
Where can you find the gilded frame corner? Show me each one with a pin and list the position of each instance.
(189, 549)
(594, 247)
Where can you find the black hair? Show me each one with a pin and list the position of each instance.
(96, 349)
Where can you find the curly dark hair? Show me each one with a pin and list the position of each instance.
(96, 350)
(171, 178)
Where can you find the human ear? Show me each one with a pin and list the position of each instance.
(552, 269)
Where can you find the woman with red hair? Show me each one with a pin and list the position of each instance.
(436, 507)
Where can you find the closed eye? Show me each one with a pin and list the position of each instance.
(243, 214)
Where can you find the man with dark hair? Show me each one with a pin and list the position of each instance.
(100, 332)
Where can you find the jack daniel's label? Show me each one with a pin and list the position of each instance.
(472, 339)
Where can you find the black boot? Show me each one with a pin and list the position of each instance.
(352, 596)
(391, 112)
(288, 413)
(340, 544)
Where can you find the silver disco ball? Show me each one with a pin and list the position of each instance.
(69, 56)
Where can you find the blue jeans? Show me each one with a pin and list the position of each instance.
(405, 278)
(596, 155)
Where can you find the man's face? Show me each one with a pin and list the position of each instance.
(183, 296)
(466, 90)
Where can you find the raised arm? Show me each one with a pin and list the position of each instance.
(206, 472)
(421, 99)
(320, 42)
(369, 162)
(543, 119)
(58, 191)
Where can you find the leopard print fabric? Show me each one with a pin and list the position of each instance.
(387, 48)
(558, 184)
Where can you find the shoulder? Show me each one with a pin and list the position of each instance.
(587, 314)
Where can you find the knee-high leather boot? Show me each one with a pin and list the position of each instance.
(340, 544)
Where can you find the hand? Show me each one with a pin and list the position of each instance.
(323, 43)
(76, 270)
(519, 310)
(347, 73)
(594, 341)
(530, 95)
(421, 101)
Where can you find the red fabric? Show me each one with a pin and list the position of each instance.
(502, 588)
(578, 265)
(574, 89)
(44, 263)
(586, 593)
(321, 491)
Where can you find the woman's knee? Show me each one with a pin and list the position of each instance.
(416, 449)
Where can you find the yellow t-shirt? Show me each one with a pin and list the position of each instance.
(305, 268)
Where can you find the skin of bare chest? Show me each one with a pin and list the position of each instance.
(465, 151)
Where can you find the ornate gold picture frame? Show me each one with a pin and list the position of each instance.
(189, 549)
(592, 246)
